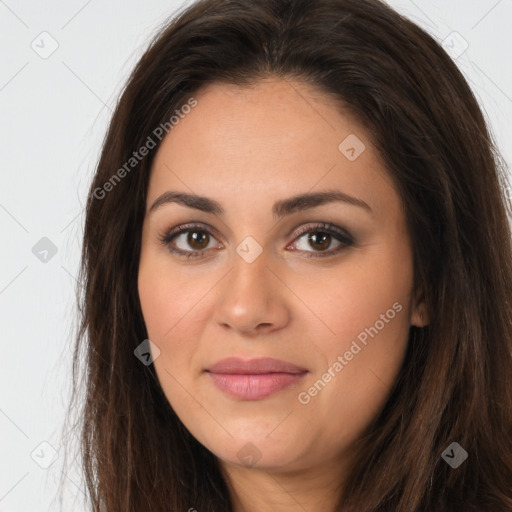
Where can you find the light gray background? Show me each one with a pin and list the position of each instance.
(53, 115)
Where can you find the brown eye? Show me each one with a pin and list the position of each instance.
(319, 241)
(192, 240)
(189, 241)
(197, 240)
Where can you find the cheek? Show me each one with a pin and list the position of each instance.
(353, 297)
(368, 312)
(170, 306)
(167, 297)
(174, 317)
(164, 311)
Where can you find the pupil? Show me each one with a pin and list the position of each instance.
(320, 240)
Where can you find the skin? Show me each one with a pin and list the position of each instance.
(247, 148)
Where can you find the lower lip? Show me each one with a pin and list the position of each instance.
(254, 387)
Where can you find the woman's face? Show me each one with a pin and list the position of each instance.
(268, 268)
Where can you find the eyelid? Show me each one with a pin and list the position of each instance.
(327, 226)
(190, 226)
(167, 236)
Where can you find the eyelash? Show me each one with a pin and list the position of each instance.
(325, 228)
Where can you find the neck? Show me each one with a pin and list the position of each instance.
(259, 490)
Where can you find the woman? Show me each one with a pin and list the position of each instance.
(297, 272)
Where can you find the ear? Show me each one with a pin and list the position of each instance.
(419, 315)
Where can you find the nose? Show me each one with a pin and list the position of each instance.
(253, 298)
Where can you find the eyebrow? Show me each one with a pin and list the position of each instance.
(280, 209)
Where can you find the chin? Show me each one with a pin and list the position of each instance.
(258, 451)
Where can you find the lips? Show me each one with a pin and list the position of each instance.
(254, 379)
(238, 366)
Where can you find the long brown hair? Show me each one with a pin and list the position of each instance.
(456, 381)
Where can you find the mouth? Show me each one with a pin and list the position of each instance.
(254, 379)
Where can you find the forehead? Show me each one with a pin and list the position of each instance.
(274, 139)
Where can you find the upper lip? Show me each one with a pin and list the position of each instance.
(237, 365)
